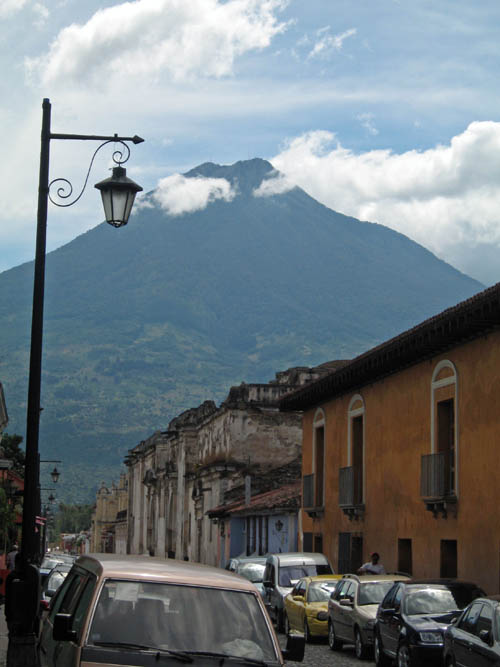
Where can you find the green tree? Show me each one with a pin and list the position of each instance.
(13, 452)
(72, 518)
(7, 520)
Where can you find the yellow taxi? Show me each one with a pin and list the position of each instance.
(306, 607)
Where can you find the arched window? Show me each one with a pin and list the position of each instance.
(319, 458)
(444, 424)
(356, 447)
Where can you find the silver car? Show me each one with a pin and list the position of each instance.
(352, 609)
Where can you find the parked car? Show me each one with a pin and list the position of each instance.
(352, 609)
(52, 582)
(250, 567)
(283, 571)
(124, 610)
(413, 616)
(306, 606)
(47, 565)
(473, 639)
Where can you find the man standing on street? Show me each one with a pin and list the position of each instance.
(373, 566)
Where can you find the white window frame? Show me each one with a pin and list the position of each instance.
(438, 384)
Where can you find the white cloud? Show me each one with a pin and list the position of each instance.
(177, 194)
(41, 14)
(445, 198)
(8, 7)
(366, 120)
(327, 43)
(154, 38)
(276, 184)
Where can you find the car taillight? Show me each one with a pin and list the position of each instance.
(44, 604)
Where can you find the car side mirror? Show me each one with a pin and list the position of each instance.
(346, 602)
(295, 647)
(62, 631)
(388, 611)
(485, 636)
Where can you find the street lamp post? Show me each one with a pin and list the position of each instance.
(118, 193)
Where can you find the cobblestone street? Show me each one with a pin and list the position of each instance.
(3, 637)
(318, 654)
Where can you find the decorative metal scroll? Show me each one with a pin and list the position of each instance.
(65, 190)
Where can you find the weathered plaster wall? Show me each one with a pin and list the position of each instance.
(397, 433)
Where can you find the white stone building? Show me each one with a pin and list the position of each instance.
(177, 476)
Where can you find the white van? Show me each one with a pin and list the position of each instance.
(282, 573)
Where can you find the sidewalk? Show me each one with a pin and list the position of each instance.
(4, 639)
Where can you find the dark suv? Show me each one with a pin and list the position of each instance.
(413, 616)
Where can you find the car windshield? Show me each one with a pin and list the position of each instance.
(439, 600)
(319, 591)
(290, 574)
(49, 563)
(373, 592)
(55, 580)
(185, 618)
(254, 572)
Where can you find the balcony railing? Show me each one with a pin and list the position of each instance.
(351, 491)
(308, 491)
(437, 482)
(311, 504)
(437, 476)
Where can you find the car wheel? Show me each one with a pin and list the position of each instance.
(381, 660)
(360, 647)
(403, 658)
(333, 642)
(287, 625)
(307, 632)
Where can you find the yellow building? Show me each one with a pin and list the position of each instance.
(401, 450)
(108, 533)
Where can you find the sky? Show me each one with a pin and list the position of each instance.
(386, 110)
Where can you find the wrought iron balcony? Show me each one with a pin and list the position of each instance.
(351, 492)
(310, 502)
(437, 482)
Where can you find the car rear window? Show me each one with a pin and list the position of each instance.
(254, 572)
(440, 600)
(373, 592)
(319, 591)
(290, 574)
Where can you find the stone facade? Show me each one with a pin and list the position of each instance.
(108, 533)
(177, 476)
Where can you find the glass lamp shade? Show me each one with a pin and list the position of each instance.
(118, 194)
(55, 475)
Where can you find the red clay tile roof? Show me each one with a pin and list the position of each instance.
(286, 497)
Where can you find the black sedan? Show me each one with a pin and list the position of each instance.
(473, 640)
(413, 616)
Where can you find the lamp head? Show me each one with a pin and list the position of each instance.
(118, 194)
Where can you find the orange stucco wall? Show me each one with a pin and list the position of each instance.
(397, 422)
